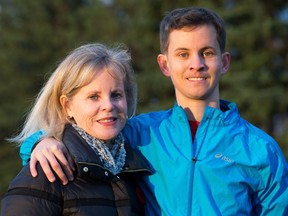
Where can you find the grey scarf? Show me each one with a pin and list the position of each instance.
(113, 159)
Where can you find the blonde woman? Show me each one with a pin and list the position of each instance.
(84, 104)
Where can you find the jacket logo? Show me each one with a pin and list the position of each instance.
(223, 157)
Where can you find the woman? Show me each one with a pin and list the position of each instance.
(85, 104)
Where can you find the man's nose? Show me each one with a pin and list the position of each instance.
(196, 62)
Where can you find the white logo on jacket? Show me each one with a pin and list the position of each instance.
(223, 157)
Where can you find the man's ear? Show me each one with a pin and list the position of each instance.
(162, 62)
(65, 103)
(226, 59)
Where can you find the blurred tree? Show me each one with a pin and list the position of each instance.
(258, 77)
(34, 35)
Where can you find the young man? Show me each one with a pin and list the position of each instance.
(227, 167)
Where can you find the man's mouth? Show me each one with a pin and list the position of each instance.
(196, 78)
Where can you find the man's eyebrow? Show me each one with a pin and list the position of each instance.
(186, 49)
(208, 47)
(181, 49)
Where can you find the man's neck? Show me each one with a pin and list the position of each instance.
(195, 109)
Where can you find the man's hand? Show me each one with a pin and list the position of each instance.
(52, 155)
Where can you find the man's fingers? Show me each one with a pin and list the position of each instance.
(50, 161)
(56, 167)
(66, 163)
(33, 169)
(46, 168)
(54, 159)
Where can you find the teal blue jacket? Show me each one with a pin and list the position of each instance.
(231, 167)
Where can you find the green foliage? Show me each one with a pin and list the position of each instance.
(258, 76)
(10, 165)
(35, 35)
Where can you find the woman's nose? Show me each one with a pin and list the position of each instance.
(107, 104)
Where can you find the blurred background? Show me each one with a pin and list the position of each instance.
(35, 35)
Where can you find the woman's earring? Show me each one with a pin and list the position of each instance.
(125, 119)
(69, 119)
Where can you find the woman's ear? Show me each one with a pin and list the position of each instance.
(226, 59)
(65, 103)
(162, 62)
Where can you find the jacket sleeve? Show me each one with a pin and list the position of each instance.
(28, 144)
(32, 196)
(273, 198)
(31, 206)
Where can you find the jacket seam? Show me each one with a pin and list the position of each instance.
(97, 202)
(36, 193)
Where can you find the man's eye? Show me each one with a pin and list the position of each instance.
(208, 54)
(183, 55)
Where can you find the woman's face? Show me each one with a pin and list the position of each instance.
(99, 108)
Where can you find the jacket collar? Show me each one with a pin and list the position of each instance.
(87, 161)
(228, 114)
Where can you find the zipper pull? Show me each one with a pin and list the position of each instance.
(194, 159)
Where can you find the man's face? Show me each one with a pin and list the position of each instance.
(195, 63)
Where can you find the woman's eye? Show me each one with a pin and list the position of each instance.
(116, 95)
(93, 97)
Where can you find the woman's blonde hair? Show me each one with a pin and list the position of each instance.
(74, 72)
